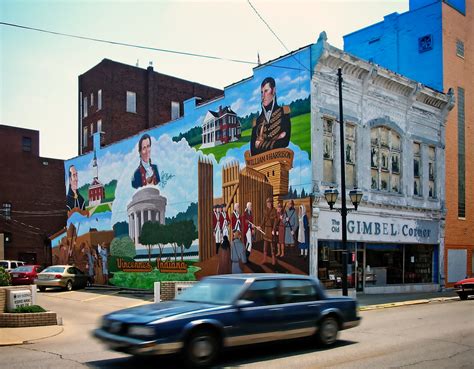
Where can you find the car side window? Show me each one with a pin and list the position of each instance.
(262, 293)
(13, 265)
(71, 270)
(297, 290)
(78, 271)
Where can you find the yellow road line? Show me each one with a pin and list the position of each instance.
(98, 297)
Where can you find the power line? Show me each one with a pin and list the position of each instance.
(274, 34)
(118, 43)
(127, 44)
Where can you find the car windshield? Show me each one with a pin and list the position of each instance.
(23, 269)
(3, 264)
(219, 291)
(54, 269)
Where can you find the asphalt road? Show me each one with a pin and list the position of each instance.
(435, 335)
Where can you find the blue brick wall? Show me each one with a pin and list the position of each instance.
(394, 43)
(459, 5)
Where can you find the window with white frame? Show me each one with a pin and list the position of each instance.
(385, 155)
(131, 102)
(350, 133)
(460, 48)
(92, 129)
(174, 110)
(99, 125)
(431, 172)
(84, 137)
(84, 105)
(417, 190)
(328, 150)
(92, 99)
(99, 99)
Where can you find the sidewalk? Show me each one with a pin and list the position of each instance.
(381, 301)
(19, 336)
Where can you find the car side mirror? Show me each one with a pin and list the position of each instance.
(243, 303)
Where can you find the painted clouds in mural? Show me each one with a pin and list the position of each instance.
(216, 191)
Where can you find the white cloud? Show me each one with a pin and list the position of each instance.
(292, 95)
(242, 109)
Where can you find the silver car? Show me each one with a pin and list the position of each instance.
(67, 277)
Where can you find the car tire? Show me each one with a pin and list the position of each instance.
(463, 296)
(69, 285)
(42, 289)
(328, 331)
(201, 349)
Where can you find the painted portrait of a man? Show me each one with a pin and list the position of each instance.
(146, 173)
(272, 128)
(74, 199)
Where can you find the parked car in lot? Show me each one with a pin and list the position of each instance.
(62, 276)
(230, 310)
(25, 274)
(464, 288)
(9, 265)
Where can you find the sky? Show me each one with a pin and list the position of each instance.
(39, 72)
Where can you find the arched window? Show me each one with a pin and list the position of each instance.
(385, 159)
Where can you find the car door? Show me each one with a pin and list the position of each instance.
(81, 278)
(259, 320)
(300, 307)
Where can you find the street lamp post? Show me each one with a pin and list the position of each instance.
(332, 194)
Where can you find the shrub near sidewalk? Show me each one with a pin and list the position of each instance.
(5, 278)
(29, 309)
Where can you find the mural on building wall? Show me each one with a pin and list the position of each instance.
(224, 189)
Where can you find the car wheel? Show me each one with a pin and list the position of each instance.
(328, 331)
(69, 286)
(42, 289)
(201, 349)
(463, 296)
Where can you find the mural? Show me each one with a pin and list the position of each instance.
(223, 189)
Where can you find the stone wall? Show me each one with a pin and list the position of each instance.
(15, 320)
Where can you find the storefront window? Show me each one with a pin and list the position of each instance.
(384, 264)
(330, 264)
(419, 263)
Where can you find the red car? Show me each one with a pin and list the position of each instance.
(25, 274)
(464, 288)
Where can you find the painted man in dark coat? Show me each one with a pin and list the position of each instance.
(272, 128)
(146, 173)
(74, 199)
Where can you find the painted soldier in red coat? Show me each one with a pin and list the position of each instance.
(216, 225)
(225, 221)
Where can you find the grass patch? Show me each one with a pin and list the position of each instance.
(146, 280)
(301, 132)
(29, 309)
(102, 208)
(221, 150)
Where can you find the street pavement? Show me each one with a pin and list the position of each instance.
(434, 330)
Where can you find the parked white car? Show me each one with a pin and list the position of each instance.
(9, 265)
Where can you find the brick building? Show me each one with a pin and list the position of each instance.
(31, 196)
(121, 100)
(433, 43)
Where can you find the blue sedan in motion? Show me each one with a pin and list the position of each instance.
(230, 310)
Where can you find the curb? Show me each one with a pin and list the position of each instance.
(26, 341)
(406, 303)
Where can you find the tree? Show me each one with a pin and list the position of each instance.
(150, 236)
(123, 247)
(120, 229)
(303, 194)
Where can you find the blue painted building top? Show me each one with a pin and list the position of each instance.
(410, 44)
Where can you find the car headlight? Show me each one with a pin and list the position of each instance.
(141, 331)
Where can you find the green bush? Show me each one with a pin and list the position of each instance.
(122, 247)
(147, 280)
(5, 278)
(29, 309)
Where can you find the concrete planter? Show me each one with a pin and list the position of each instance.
(16, 320)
